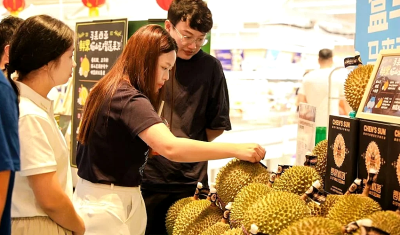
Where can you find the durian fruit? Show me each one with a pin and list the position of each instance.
(244, 199)
(321, 151)
(355, 85)
(234, 176)
(188, 215)
(173, 213)
(322, 210)
(235, 231)
(352, 207)
(313, 225)
(388, 221)
(220, 227)
(297, 180)
(217, 229)
(275, 211)
(197, 216)
(262, 178)
(174, 210)
(206, 219)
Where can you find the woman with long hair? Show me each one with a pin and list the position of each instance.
(41, 53)
(120, 124)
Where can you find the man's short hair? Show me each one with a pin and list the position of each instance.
(194, 11)
(8, 26)
(325, 54)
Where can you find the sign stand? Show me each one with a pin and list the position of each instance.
(98, 46)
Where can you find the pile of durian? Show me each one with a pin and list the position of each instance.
(248, 199)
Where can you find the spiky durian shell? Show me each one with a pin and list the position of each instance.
(235, 231)
(322, 210)
(234, 176)
(262, 178)
(173, 213)
(388, 221)
(217, 229)
(188, 215)
(355, 85)
(297, 179)
(313, 225)
(352, 207)
(244, 199)
(206, 219)
(275, 211)
(321, 150)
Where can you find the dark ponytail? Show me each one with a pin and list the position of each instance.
(37, 41)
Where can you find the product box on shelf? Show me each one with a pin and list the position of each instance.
(374, 155)
(341, 169)
(393, 171)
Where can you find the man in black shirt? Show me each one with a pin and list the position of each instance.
(196, 107)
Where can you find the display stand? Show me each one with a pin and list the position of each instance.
(99, 45)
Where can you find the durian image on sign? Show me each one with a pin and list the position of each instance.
(398, 169)
(385, 85)
(339, 150)
(379, 104)
(373, 157)
(83, 94)
(84, 69)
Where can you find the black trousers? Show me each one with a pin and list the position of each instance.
(157, 205)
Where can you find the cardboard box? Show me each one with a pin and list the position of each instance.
(393, 171)
(373, 153)
(341, 169)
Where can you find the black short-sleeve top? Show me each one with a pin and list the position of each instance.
(115, 153)
(200, 101)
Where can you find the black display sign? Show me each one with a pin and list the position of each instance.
(342, 155)
(393, 173)
(384, 95)
(381, 99)
(374, 152)
(98, 45)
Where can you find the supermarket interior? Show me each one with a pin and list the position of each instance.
(316, 83)
(265, 51)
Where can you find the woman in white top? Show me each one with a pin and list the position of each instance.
(41, 52)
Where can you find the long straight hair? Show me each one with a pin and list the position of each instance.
(138, 62)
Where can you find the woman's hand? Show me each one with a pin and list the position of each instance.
(250, 152)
